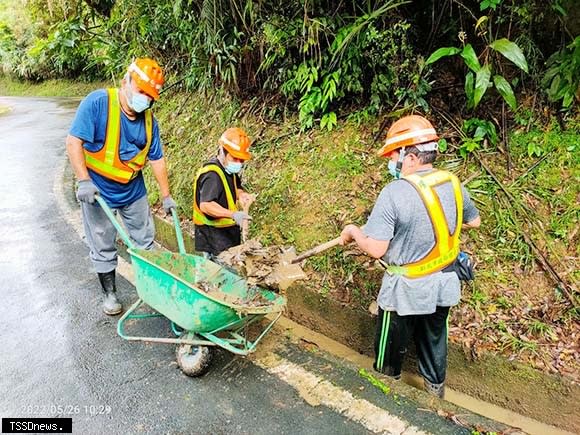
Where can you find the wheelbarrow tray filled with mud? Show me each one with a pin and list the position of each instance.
(197, 294)
(207, 304)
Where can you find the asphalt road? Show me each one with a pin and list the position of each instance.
(61, 357)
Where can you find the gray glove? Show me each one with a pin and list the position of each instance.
(168, 204)
(240, 216)
(86, 191)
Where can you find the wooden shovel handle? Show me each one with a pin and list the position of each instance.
(316, 250)
(246, 222)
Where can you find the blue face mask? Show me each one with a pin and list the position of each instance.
(138, 102)
(393, 169)
(233, 167)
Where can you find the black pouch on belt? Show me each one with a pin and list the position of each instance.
(462, 266)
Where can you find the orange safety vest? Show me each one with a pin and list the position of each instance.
(106, 161)
(446, 247)
(201, 219)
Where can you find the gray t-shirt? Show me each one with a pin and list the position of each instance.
(400, 216)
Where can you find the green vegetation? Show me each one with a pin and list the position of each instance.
(374, 381)
(48, 88)
(476, 85)
(561, 77)
(322, 59)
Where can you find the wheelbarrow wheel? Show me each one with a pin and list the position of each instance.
(194, 361)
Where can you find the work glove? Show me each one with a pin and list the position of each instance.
(86, 191)
(168, 204)
(240, 216)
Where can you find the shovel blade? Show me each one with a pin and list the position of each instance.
(285, 273)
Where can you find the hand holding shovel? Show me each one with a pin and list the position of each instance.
(344, 238)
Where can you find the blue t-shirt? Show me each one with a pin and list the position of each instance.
(90, 125)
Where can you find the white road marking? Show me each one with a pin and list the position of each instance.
(317, 391)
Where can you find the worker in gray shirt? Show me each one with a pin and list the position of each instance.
(414, 228)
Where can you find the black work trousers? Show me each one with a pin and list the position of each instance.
(430, 334)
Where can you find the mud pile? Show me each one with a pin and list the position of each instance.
(253, 298)
(268, 267)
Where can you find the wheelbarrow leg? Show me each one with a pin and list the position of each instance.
(129, 315)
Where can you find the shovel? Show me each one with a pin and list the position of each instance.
(246, 222)
(288, 270)
(316, 250)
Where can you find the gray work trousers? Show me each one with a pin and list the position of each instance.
(101, 234)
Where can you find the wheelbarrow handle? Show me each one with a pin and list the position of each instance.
(178, 233)
(115, 222)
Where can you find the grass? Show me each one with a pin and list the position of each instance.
(518, 345)
(47, 88)
(503, 302)
(538, 328)
(374, 381)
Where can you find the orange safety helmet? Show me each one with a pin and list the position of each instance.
(236, 142)
(410, 130)
(148, 75)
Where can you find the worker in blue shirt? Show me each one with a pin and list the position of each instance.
(111, 139)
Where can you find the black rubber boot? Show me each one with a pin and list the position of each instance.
(435, 389)
(111, 306)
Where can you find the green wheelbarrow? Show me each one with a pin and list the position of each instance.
(207, 304)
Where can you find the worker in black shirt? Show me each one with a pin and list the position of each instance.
(217, 193)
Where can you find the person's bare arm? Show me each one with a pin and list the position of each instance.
(159, 169)
(374, 248)
(215, 210)
(475, 223)
(74, 149)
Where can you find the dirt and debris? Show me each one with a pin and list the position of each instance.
(209, 282)
(207, 287)
(264, 266)
(253, 298)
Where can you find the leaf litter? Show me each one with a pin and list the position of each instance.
(540, 330)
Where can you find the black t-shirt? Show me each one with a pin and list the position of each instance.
(210, 188)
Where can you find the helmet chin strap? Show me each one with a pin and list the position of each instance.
(399, 167)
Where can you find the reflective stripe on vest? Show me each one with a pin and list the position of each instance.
(201, 219)
(446, 247)
(106, 161)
